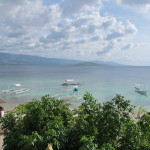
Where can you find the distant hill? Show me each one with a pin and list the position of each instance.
(15, 59)
(110, 63)
(89, 64)
(19, 59)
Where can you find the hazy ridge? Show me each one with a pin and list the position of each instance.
(20, 59)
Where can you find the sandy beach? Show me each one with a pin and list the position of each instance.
(1, 138)
(1, 142)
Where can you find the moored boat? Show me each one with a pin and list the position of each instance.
(69, 94)
(140, 89)
(68, 82)
(14, 90)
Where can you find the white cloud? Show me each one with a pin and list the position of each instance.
(26, 16)
(108, 22)
(55, 36)
(58, 30)
(134, 2)
(69, 7)
(122, 31)
(106, 49)
(95, 38)
(24, 21)
(143, 5)
(128, 46)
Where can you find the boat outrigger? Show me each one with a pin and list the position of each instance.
(14, 90)
(70, 82)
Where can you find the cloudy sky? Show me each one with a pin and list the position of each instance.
(107, 30)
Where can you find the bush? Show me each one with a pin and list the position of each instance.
(91, 126)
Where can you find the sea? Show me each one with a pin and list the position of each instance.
(103, 82)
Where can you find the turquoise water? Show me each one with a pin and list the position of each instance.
(103, 82)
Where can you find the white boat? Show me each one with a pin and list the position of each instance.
(68, 82)
(67, 97)
(68, 94)
(140, 89)
(14, 90)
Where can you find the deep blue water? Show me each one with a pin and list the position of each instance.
(103, 82)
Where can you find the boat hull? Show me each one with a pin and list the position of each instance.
(140, 91)
(67, 84)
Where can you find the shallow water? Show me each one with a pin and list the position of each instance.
(103, 82)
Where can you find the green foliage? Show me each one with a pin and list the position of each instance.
(88, 143)
(144, 124)
(84, 122)
(37, 123)
(107, 147)
(91, 126)
(112, 120)
(131, 137)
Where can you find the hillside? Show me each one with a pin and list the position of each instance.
(89, 64)
(12, 59)
(19, 59)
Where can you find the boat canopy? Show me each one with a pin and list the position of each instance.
(69, 80)
(17, 84)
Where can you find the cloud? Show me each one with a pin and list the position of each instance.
(122, 31)
(106, 49)
(134, 2)
(55, 36)
(143, 5)
(128, 46)
(25, 20)
(26, 16)
(95, 38)
(58, 30)
(108, 23)
(69, 7)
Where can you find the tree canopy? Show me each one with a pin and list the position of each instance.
(91, 126)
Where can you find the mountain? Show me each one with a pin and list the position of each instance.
(89, 64)
(15, 59)
(12, 59)
(110, 63)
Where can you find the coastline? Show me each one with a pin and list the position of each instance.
(1, 142)
(1, 138)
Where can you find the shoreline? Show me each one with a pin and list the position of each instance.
(1, 138)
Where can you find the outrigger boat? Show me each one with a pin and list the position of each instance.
(68, 82)
(140, 89)
(14, 90)
(68, 95)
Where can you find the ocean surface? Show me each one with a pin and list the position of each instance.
(103, 82)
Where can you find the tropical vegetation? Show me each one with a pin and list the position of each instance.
(111, 125)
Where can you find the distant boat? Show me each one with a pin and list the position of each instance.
(140, 89)
(68, 94)
(67, 97)
(68, 82)
(14, 90)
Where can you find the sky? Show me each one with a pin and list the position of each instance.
(105, 30)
